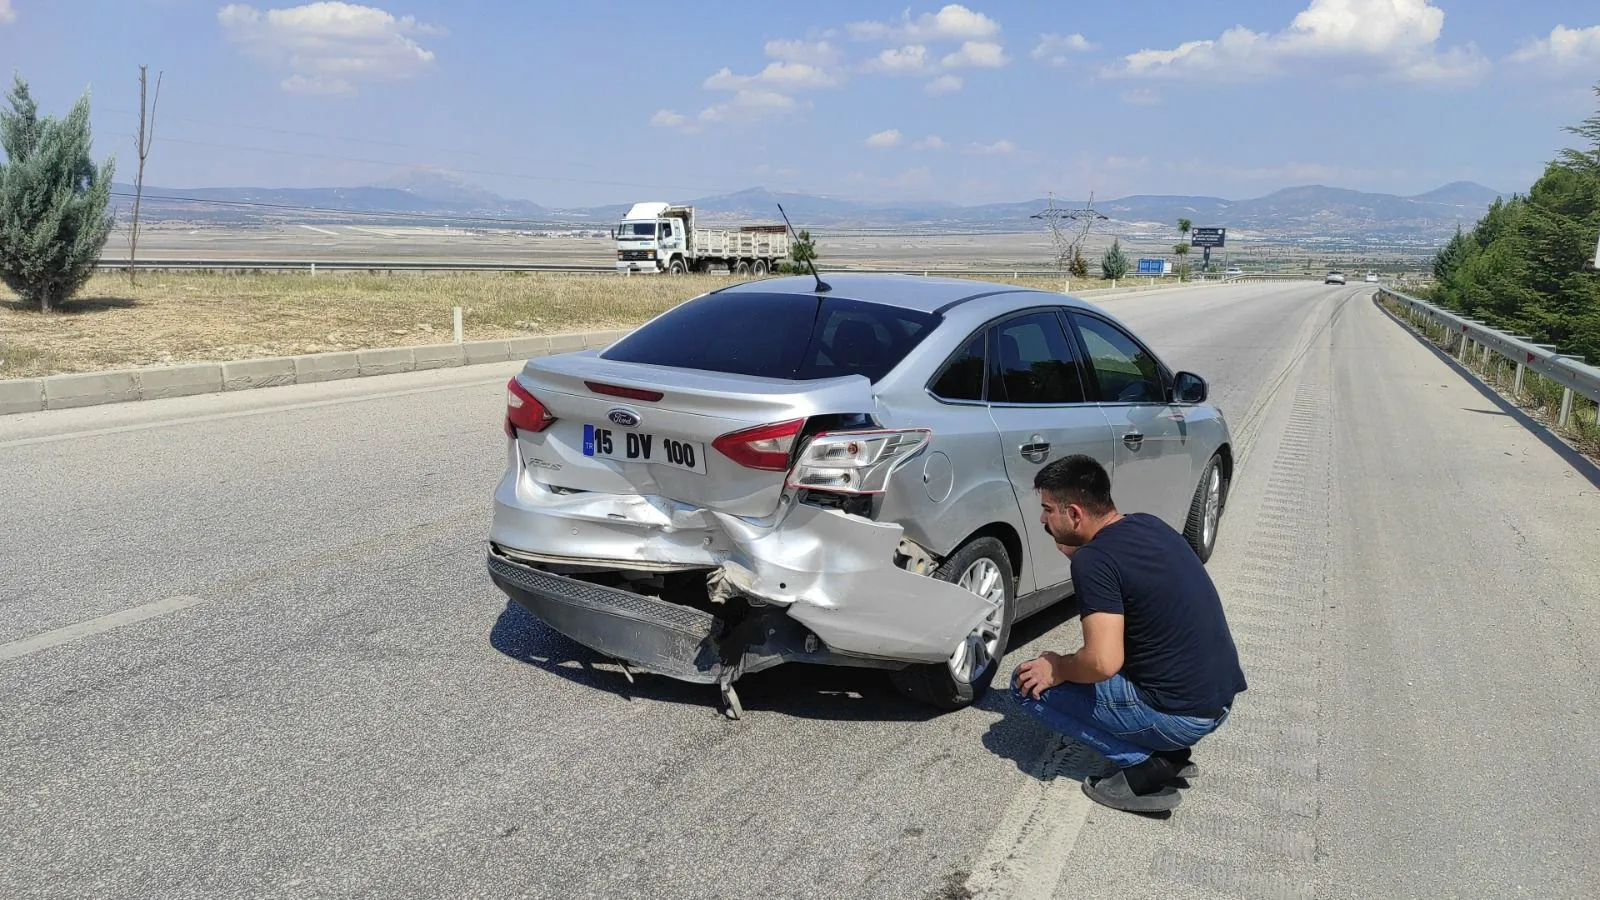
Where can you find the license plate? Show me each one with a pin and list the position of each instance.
(639, 447)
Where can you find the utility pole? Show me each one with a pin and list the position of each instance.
(146, 138)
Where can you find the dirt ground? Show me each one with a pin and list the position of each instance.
(181, 318)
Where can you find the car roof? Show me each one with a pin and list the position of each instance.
(915, 292)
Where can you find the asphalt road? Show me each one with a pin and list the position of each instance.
(290, 675)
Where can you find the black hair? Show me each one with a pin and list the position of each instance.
(1078, 480)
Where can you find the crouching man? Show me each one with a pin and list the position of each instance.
(1158, 670)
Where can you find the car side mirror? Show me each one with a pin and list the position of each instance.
(1188, 387)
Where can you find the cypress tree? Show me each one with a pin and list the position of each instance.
(53, 201)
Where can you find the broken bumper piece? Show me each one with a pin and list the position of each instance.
(655, 635)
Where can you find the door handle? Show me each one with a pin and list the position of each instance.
(1133, 439)
(1034, 449)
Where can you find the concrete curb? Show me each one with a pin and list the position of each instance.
(24, 395)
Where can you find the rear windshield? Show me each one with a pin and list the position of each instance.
(798, 337)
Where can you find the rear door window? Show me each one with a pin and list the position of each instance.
(795, 337)
(1034, 363)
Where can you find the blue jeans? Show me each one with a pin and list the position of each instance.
(1112, 718)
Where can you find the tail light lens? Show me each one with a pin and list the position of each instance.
(856, 462)
(766, 447)
(524, 412)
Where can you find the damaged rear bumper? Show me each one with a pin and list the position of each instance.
(809, 585)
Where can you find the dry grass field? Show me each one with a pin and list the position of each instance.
(168, 319)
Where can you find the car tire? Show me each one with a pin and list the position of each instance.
(676, 267)
(1205, 510)
(936, 684)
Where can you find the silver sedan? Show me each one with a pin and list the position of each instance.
(776, 472)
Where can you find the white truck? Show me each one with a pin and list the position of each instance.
(660, 237)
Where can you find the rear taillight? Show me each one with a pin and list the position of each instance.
(766, 447)
(611, 390)
(523, 411)
(855, 462)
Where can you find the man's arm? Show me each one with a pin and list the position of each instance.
(1098, 659)
(1101, 654)
(1099, 590)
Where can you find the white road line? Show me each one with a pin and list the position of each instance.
(1036, 834)
(320, 230)
(70, 633)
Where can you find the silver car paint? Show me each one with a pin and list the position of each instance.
(834, 572)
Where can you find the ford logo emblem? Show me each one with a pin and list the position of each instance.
(624, 417)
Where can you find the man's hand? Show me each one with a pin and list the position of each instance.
(1036, 676)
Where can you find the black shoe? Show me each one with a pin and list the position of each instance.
(1115, 792)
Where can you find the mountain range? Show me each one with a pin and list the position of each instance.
(1311, 213)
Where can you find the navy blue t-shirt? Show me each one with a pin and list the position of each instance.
(1177, 649)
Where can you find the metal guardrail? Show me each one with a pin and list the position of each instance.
(1470, 336)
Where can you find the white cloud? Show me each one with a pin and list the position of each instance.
(748, 106)
(666, 118)
(815, 63)
(998, 148)
(883, 139)
(1057, 49)
(952, 23)
(7, 14)
(328, 47)
(977, 55)
(911, 59)
(931, 142)
(1396, 37)
(787, 76)
(1564, 48)
(818, 53)
(1140, 97)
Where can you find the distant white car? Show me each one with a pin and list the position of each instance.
(1372, 277)
(1235, 270)
(1334, 278)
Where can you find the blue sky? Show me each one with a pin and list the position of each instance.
(573, 104)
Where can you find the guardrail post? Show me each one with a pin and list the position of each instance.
(1566, 408)
(457, 324)
(1521, 370)
(313, 270)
